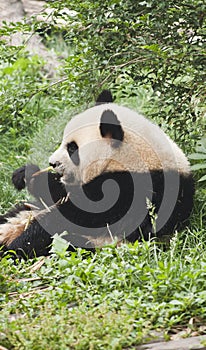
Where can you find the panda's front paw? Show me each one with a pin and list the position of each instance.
(22, 175)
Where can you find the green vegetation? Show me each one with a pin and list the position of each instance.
(200, 157)
(150, 53)
(108, 300)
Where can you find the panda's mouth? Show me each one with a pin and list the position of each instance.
(59, 170)
(67, 178)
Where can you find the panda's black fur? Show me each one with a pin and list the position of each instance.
(57, 208)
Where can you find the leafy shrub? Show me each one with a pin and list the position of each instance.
(200, 157)
(153, 44)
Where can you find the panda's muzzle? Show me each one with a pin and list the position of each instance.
(58, 167)
(68, 180)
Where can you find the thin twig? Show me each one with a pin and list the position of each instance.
(28, 294)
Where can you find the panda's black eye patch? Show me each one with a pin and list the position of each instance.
(73, 150)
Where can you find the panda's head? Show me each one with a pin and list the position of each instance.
(111, 138)
(91, 144)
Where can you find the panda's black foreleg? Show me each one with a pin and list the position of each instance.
(46, 186)
(23, 174)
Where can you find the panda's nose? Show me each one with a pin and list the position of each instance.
(55, 165)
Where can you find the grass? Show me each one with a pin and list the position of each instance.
(112, 299)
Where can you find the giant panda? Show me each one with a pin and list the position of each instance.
(116, 176)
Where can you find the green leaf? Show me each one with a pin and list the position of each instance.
(203, 178)
(183, 79)
(198, 166)
(59, 244)
(176, 302)
(197, 156)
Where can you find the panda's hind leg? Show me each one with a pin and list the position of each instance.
(13, 224)
(34, 241)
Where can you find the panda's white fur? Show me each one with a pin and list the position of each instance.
(145, 146)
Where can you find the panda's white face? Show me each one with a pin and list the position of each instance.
(79, 154)
(109, 138)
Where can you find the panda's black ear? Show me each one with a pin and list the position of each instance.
(104, 97)
(110, 128)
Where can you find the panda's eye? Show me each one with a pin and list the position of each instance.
(73, 151)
